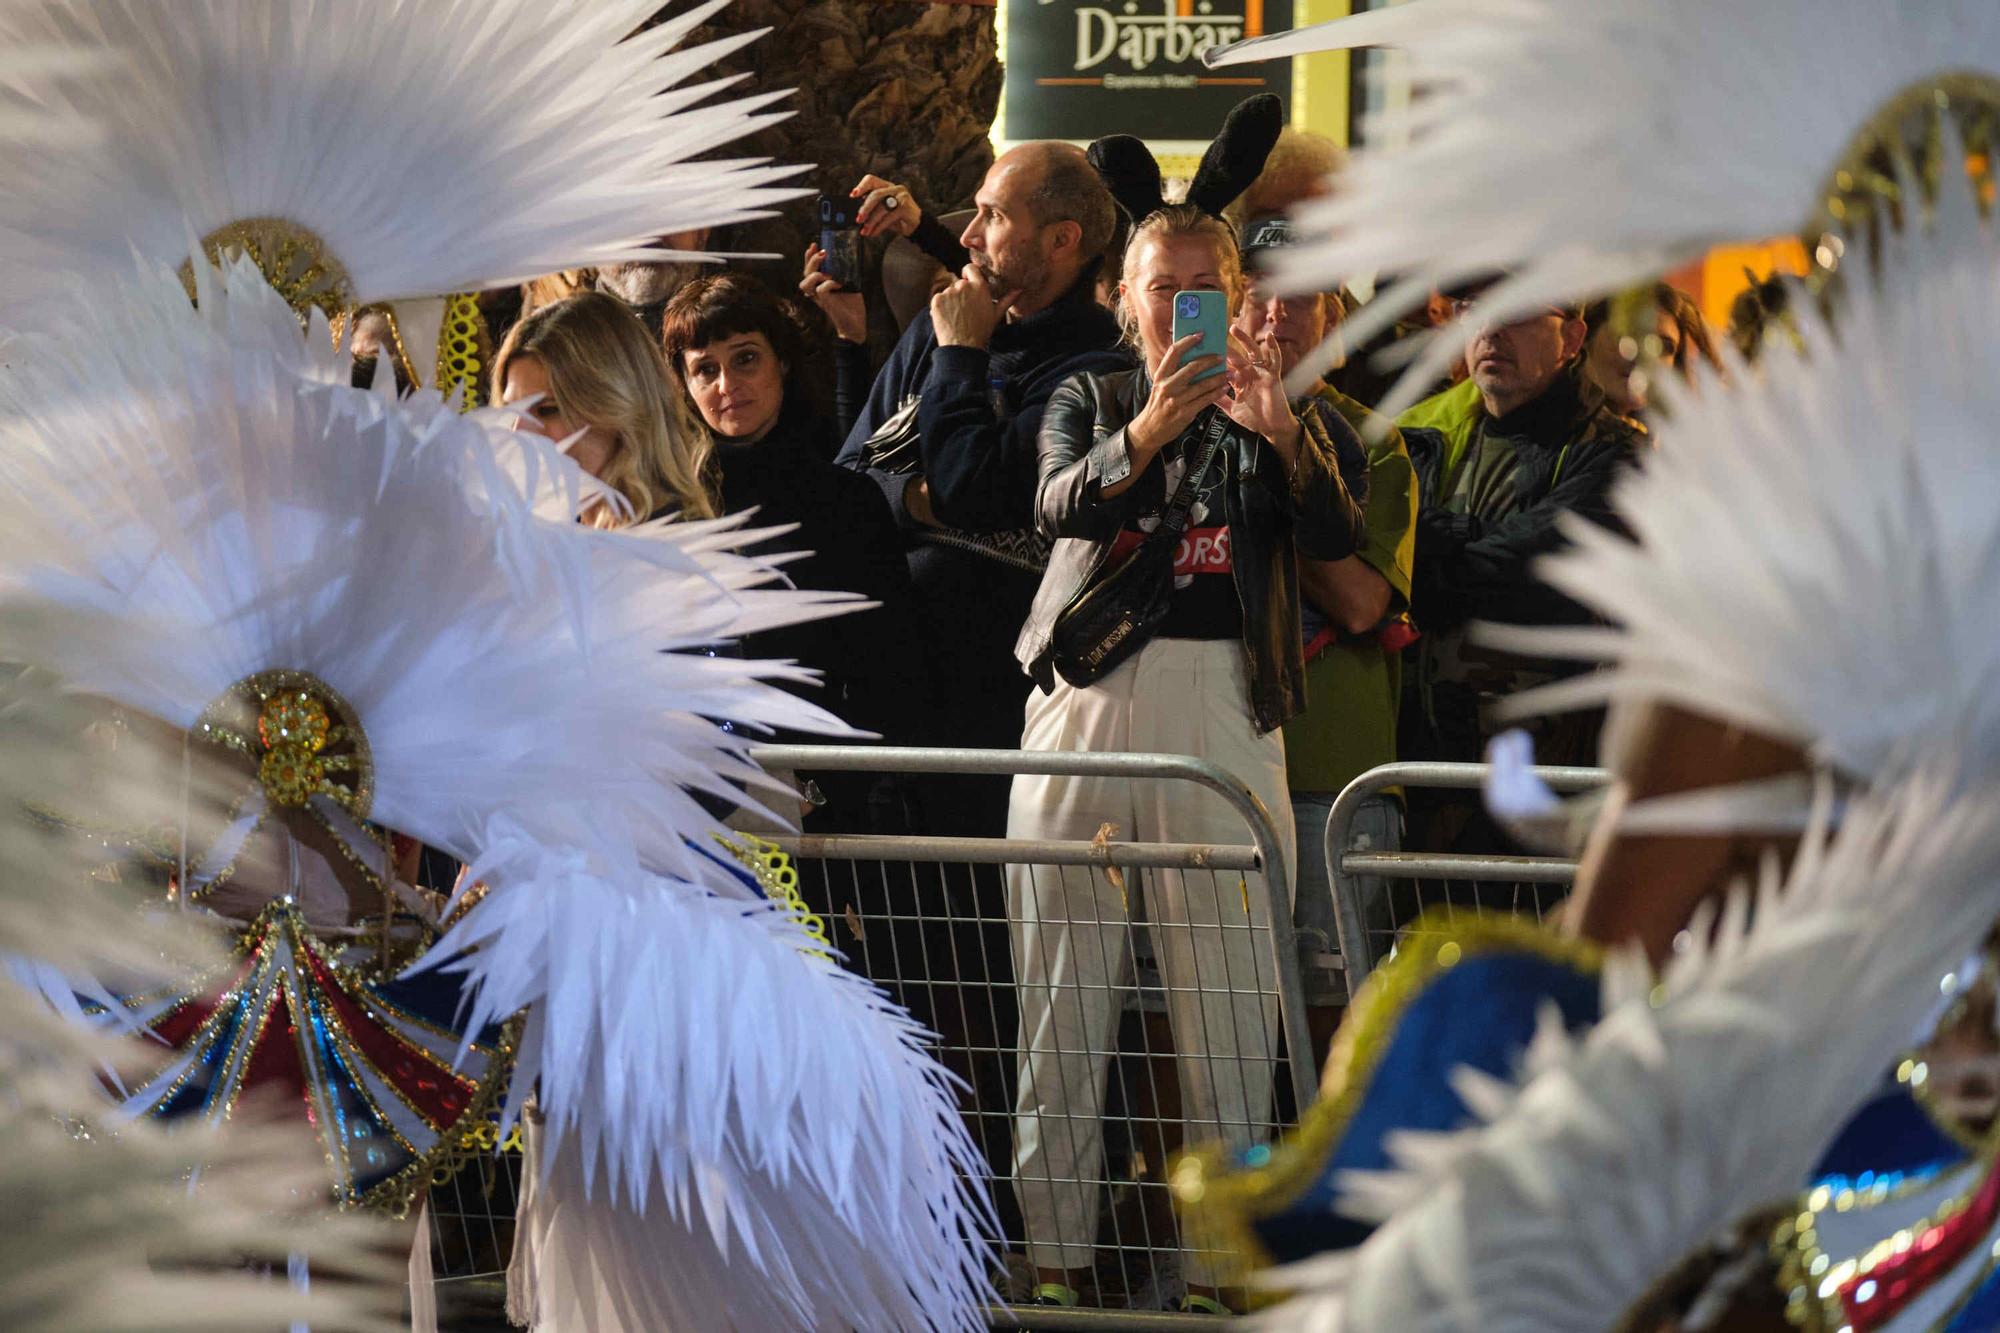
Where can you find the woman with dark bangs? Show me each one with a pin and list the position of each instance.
(735, 352)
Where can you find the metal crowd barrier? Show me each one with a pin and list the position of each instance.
(1377, 894)
(927, 918)
(471, 1203)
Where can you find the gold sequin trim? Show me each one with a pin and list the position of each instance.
(293, 259)
(779, 879)
(398, 1193)
(463, 350)
(1907, 135)
(1809, 1276)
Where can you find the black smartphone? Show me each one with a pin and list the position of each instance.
(840, 237)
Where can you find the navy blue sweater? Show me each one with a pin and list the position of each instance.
(979, 411)
(978, 414)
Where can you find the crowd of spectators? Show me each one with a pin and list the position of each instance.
(1017, 449)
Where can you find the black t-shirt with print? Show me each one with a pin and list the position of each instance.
(1204, 603)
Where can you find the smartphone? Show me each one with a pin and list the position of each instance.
(840, 237)
(1206, 313)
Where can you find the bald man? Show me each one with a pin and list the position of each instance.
(949, 429)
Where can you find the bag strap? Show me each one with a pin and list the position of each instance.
(1175, 516)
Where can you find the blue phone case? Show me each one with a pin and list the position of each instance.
(1204, 313)
(840, 238)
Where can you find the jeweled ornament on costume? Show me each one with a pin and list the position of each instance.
(378, 1066)
(312, 1013)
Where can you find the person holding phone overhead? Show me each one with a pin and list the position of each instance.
(1180, 497)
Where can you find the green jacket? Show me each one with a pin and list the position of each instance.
(1452, 414)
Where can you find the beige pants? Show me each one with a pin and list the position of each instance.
(1072, 933)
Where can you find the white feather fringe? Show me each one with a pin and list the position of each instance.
(433, 145)
(714, 1095)
(1704, 1093)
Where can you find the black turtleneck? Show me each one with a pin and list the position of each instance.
(870, 661)
(1549, 417)
(1485, 486)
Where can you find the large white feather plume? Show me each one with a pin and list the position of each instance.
(190, 496)
(433, 145)
(1812, 545)
(1586, 145)
(1704, 1093)
(715, 1093)
(181, 508)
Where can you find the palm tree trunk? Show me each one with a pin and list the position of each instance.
(901, 88)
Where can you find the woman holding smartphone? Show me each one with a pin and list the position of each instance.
(1215, 677)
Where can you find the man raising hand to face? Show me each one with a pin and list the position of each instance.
(949, 427)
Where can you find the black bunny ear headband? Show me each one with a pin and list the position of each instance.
(1231, 163)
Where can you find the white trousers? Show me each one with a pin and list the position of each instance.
(1072, 933)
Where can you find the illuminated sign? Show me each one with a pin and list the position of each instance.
(1081, 69)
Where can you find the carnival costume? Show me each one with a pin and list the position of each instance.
(318, 616)
(1808, 556)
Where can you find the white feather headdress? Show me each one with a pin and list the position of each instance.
(182, 510)
(1703, 1094)
(401, 148)
(1587, 145)
(1813, 544)
(31, 62)
(192, 501)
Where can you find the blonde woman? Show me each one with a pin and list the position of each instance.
(598, 380)
(1215, 677)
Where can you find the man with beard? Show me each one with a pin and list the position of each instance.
(949, 431)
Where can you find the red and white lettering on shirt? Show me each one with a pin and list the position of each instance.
(1201, 551)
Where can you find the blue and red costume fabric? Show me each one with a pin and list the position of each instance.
(378, 1067)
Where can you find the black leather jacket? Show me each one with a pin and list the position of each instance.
(1082, 451)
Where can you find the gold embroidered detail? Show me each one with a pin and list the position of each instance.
(306, 739)
(295, 261)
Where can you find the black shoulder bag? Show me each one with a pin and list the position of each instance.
(1115, 615)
